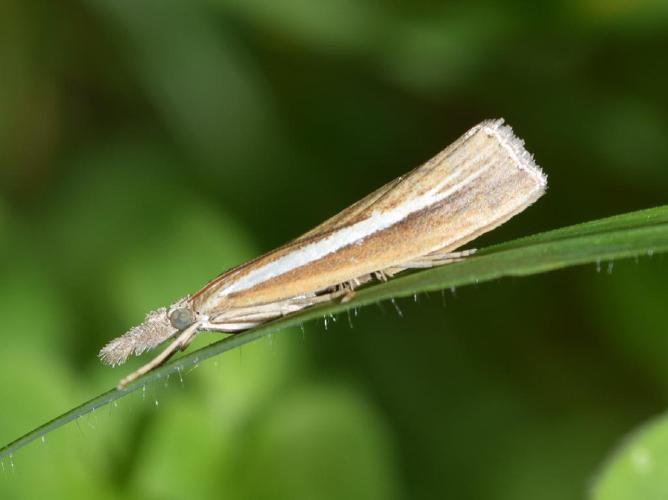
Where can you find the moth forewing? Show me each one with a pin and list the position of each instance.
(417, 220)
(474, 185)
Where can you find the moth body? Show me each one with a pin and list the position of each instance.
(418, 220)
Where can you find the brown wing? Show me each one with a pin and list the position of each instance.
(388, 194)
(355, 211)
(381, 199)
(506, 182)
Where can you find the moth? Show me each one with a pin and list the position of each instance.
(418, 220)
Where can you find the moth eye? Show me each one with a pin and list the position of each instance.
(181, 318)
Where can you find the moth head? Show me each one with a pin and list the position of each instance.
(158, 326)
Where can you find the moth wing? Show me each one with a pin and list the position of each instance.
(357, 211)
(353, 212)
(381, 199)
(462, 192)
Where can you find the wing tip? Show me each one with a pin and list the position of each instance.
(516, 149)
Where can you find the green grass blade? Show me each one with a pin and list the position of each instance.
(642, 233)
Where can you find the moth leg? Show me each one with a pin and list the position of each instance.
(433, 259)
(383, 275)
(447, 257)
(247, 317)
(232, 328)
(239, 319)
(180, 343)
(348, 290)
(345, 291)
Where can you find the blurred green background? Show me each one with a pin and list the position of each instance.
(146, 146)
